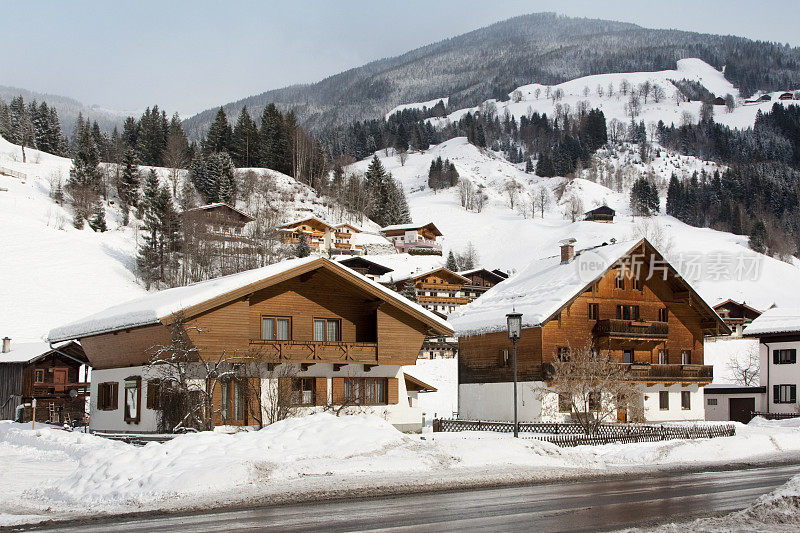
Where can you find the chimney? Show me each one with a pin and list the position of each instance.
(6, 344)
(567, 250)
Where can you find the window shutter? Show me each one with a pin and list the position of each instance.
(114, 403)
(793, 355)
(793, 394)
(337, 390)
(776, 392)
(321, 391)
(775, 357)
(393, 396)
(101, 396)
(285, 390)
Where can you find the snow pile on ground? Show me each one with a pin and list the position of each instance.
(49, 470)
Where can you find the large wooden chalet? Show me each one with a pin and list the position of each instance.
(439, 290)
(603, 297)
(49, 374)
(322, 237)
(737, 315)
(341, 338)
(414, 238)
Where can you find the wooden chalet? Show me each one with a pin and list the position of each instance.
(480, 281)
(736, 315)
(343, 239)
(414, 238)
(439, 290)
(600, 214)
(602, 297)
(218, 220)
(319, 333)
(318, 233)
(49, 374)
(786, 96)
(217, 233)
(718, 101)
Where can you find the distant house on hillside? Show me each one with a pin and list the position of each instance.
(365, 267)
(414, 238)
(50, 375)
(215, 237)
(600, 214)
(651, 325)
(218, 220)
(480, 281)
(439, 290)
(322, 237)
(309, 333)
(718, 101)
(736, 315)
(786, 96)
(766, 98)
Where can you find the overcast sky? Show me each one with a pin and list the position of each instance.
(189, 56)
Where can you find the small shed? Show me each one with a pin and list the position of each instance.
(600, 214)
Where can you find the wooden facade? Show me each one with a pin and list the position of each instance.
(321, 236)
(50, 377)
(440, 290)
(480, 281)
(600, 214)
(736, 313)
(660, 342)
(412, 238)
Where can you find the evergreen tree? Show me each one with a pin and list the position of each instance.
(451, 262)
(129, 183)
(98, 220)
(544, 166)
(302, 249)
(674, 196)
(270, 134)
(219, 134)
(245, 141)
(644, 197)
(158, 254)
(758, 237)
(528, 165)
(409, 291)
(85, 179)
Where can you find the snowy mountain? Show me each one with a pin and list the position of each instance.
(490, 62)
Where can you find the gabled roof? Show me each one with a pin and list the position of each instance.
(406, 227)
(348, 225)
(218, 205)
(193, 299)
(775, 320)
(414, 384)
(734, 302)
(360, 260)
(417, 275)
(494, 275)
(296, 222)
(603, 209)
(29, 352)
(546, 286)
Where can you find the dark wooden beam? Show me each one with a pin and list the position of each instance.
(306, 366)
(338, 366)
(367, 368)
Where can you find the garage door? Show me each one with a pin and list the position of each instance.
(742, 409)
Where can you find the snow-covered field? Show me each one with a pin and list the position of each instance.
(48, 472)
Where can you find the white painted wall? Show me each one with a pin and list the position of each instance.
(722, 412)
(115, 420)
(675, 413)
(771, 374)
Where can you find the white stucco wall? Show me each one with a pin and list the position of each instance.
(771, 374)
(721, 411)
(115, 420)
(675, 413)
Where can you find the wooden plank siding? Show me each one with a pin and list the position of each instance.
(131, 347)
(481, 360)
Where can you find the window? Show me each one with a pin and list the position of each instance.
(712, 401)
(686, 357)
(276, 328)
(686, 400)
(303, 391)
(663, 400)
(638, 285)
(619, 281)
(594, 401)
(504, 357)
(663, 357)
(107, 396)
(232, 400)
(133, 399)
(627, 356)
(225, 400)
(327, 330)
(562, 352)
(238, 404)
(38, 376)
(365, 391)
(784, 393)
(594, 311)
(153, 394)
(663, 315)
(564, 403)
(784, 357)
(628, 312)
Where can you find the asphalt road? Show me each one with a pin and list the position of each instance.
(560, 506)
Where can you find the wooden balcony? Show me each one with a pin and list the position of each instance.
(453, 300)
(647, 373)
(439, 286)
(631, 329)
(316, 352)
(82, 388)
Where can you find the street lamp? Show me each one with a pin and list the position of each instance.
(514, 320)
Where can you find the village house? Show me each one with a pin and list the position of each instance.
(439, 290)
(216, 234)
(414, 238)
(622, 300)
(54, 376)
(322, 237)
(366, 267)
(778, 332)
(600, 214)
(311, 331)
(480, 281)
(737, 315)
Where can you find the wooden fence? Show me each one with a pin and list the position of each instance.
(567, 435)
(775, 416)
(12, 173)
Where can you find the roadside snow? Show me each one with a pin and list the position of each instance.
(58, 474)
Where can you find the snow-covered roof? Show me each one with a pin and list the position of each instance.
(414, 275)
(220, 204)
(537, 292)
(300, 221)
(407, 227)
(151, 309)
(775, 320)
(404, 265)
(25, 352)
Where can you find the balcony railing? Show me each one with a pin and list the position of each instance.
(455, 300)
(645, 372)
(631, 329)
(316, 352)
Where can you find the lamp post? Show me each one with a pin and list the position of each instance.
(514, 321)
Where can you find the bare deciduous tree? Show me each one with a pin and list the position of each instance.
(745, 372)
(541, 199)
(595, 387)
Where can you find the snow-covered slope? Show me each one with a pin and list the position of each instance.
(511, 238)
(537, 98)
